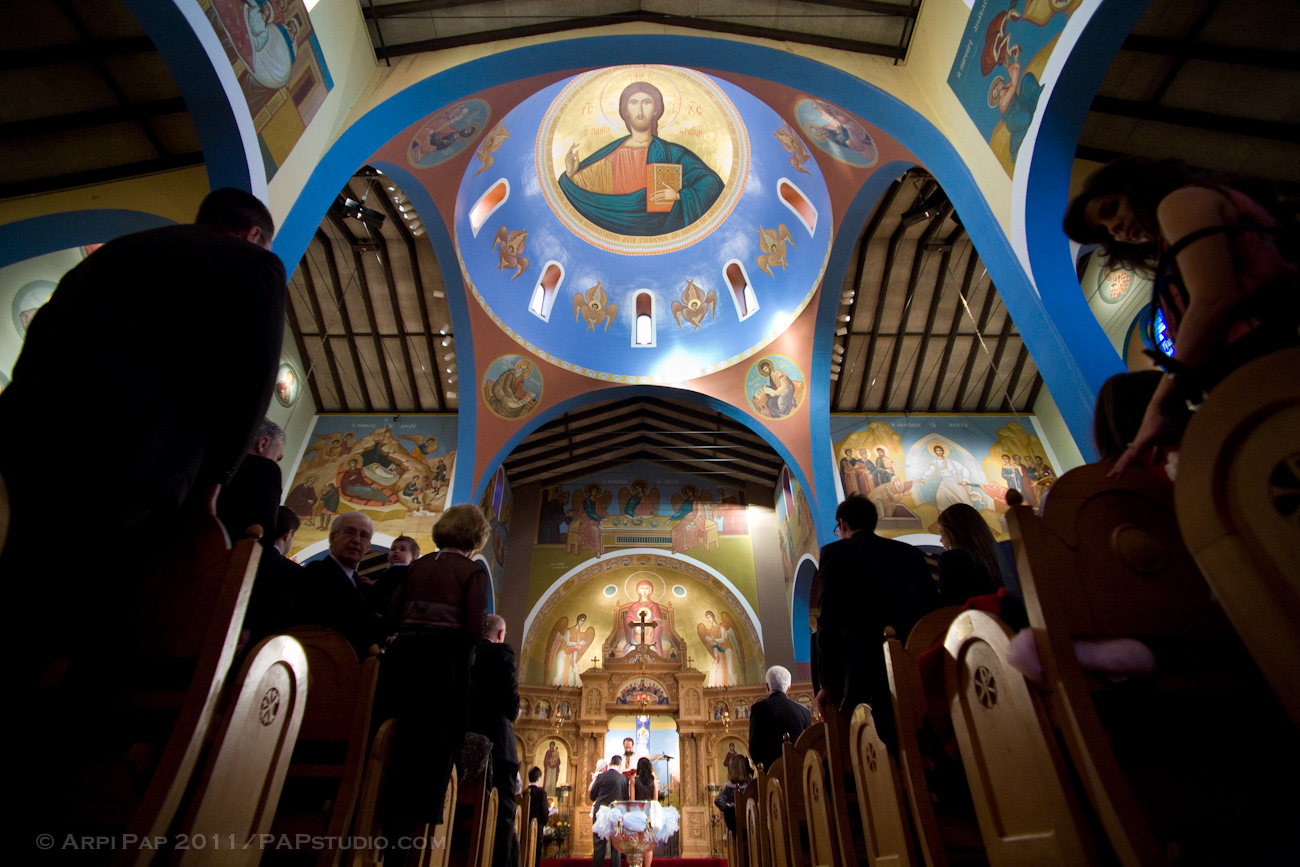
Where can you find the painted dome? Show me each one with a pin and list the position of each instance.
(643, 224)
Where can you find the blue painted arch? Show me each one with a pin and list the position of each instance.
(36, 236)
(1072, 361)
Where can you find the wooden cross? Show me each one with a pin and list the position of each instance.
(643, 625)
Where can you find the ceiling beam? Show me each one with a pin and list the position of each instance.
(302, 347)
(995, 365)
(77, 52)
(890, 253)
(33, 186)
(971, 260)
(940, 284)
(989, 297)
(1204, 120)
(340, 304)
(368, 306)
(1237, 55)
(313, 301)
(561, 25)
(400, 322)
(81, 120)
(875, 7)
(1008, 405)
(919, 257)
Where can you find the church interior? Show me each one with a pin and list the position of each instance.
(829, 263)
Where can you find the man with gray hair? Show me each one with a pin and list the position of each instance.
(330, 595)
(253, 494)
(776, 716)
(494, 705)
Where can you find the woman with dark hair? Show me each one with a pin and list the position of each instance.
(739, 773)
(1121, 404)
(1225, 290)
(969, 564)
(438, 612)
(645, 788)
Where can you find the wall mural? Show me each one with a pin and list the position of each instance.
(280, 66)
(396, 470)
(447, 132)
(837, 132)
(498, 504)
(677, 609)
(512, 387)
(998, 71)
(794, 521)
(912, 468)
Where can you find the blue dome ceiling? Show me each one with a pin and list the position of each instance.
(650, 189)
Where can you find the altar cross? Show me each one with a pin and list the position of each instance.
(642, 625)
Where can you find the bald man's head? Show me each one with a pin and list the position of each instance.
(494, 628)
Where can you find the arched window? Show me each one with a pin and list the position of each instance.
(487, 203)
(794, 199)
(742, 291)
(545, 290)
(643, 332)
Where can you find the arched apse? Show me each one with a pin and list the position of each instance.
(1072, 369)
(800, 606)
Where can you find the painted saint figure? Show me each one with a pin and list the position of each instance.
(551, 770)
(849, 472)
(694, 526)
(884, 467)
(954, 480)
(567, 645)
(609, 187)
(778, 398)
(585, 530)
(866, 472)
(507, 396)
(639, 501)
(654, 613)
(273, 51)
(727, 667)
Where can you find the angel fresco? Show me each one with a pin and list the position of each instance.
(638, 502)
(585, 529)
(722, 640)
(690, 509)
(565, 649)
(794, 146)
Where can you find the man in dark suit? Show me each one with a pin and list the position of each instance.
(172, 339)
(330, 595)
(867, 583)
(539, 810)
(279, 579)
(253, 494)
(608, 787)
(776, 716)
(494, 706)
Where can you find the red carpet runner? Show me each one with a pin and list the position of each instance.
(658, 862)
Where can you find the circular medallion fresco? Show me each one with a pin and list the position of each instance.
(775, 387)
(512, 387)
(642, 159)
(29, 299)
(287, 385)
(447, 132)
(836, 132)
(642, 224)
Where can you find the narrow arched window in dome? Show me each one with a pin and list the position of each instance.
(643, 333)
(545, 291)
(742, 291)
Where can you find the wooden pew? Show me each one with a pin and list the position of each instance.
(527, 833)
(751, 822)
(931, 629)
(1027, 810)
(153, 693)
(1106, 561)
(237, 793)
(796, 807)
(778, 834)
(887, 836)
(324, 778)
(366, 824)
(1238, 473)
(850, 837)
(470, 820)
(437, 840)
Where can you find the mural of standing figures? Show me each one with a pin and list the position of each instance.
(954, 480)
(719, 636)
(695, 529)
(584, 532)
(567, 646)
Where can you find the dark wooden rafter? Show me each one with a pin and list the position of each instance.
(300, 342)
(709, 25)
(363, 390)
(882, 207)
(363, 287)
(890, 254)
(103, 175)
(919, 255)
(1033, 392)
(78, 52)
(384, 254)
(940, 284)
(1237, 55)
(427, 324)
(995, 364)
(1008, 402)
(990, 296)
(413, 7)
(972, 259)
(81, 120)
(308, 290)
(327, 347)
(1269, 129)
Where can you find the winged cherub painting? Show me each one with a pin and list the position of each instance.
(721, 639)
(565, 650)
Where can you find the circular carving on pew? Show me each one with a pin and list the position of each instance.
(1284, 487)
(986, 687)
(270, 706)
(1137, 549)
(871, 757)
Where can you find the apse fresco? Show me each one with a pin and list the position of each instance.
(794, 523)
(397, 470)
(498, 504)
(998, 71)
(913, 467)
(598, 613)
(281, 69)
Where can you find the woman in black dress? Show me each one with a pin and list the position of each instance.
(969, 564)
(645, 788)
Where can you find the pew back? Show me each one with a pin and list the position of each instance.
(367, 826)
(777, 838)
(751, 821)
(887, 837)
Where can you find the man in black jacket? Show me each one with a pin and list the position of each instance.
(253, 494)
(330, 595)
(539, 810)
(867, 583)
(494, 705)
(776, 716)
(608, 787)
